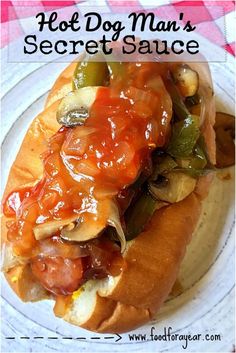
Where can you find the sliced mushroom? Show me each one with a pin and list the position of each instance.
(225, 134)
(84, 231)
(74, 108)
(74, 117)
(226, 121)
(164, 165)
(179, 186)
(192, 101)
(48, 229)
(139, 214)
(186, 80)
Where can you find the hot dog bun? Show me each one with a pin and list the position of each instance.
(146, 282)
(116, 304)
(62, 86)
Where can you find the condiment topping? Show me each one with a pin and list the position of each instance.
(85, 165)
(85, 169)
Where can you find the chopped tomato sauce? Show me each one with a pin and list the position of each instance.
(14, 200)
(85, 164)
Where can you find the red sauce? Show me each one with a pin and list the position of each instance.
(14, 200)
(90, 163)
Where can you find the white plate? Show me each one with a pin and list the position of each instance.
(205, 305)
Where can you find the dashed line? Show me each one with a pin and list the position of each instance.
(56, 338)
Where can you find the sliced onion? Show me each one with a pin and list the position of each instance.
(136, 94)
(156, 83)
(114, 221)
(124, 154)
(9, 259)
(77, 140)
(48, 229)
(105, 192)
(143, 111)
(86, 167)
(207, 116)
(83, 131)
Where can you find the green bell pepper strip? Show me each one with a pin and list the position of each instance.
(116, 70)
(185, 134)
(195, 173)
(202, 144)
(90, 73)
(198, 161)
(138, 215)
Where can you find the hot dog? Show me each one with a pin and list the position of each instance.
(100, 222)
